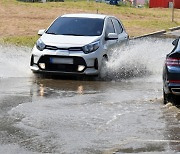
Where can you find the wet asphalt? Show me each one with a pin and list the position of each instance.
(121, 112)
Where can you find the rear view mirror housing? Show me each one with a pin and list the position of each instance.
(175, 42)
(41, 32)
(112, 36)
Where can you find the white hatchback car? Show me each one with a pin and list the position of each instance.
(77, 44)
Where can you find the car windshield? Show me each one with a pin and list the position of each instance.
(76, 26)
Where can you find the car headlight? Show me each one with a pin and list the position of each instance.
(91, 47)
(40, 45)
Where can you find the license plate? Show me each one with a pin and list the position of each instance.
(61, 60)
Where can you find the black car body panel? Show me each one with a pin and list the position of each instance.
(171, 75)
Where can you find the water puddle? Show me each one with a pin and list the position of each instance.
(123, 109)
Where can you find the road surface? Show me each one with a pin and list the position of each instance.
(121, 112)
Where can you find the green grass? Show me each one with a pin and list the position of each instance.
(152, 24)
(28, 41)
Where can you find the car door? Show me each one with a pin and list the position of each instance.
(120, 31)
(109, 29)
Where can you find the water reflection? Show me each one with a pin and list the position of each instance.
(56, 88)
(41, 90)
(80, 89)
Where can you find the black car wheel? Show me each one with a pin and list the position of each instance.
(176, 100)
(171, 98)
(167, 97)
(103, 71)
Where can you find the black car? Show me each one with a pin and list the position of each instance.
(171, 75)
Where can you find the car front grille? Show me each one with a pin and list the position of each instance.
(62, 67)
(57, 48)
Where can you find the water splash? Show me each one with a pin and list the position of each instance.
(14, 61)
(141, 57)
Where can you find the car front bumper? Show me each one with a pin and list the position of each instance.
(90, 62)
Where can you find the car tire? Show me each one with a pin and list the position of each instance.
(176, 100)
(166, 97)
(103, 71)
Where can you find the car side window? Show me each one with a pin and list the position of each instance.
(118, 26)
(109, 27)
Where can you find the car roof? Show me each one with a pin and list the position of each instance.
(84, 15)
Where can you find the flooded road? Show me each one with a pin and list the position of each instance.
(121, 112)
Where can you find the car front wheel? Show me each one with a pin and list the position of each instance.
(103, 68)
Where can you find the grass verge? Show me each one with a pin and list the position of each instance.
(28, 41)
(20, 21)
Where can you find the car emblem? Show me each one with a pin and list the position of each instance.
(62, 52)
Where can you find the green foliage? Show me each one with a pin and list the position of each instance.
(55, 0)
(146, 4)
(125, 4)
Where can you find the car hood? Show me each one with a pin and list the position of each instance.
(68, 41)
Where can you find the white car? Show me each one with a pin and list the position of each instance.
(77, 44)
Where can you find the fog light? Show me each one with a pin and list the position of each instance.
(80, 68)
(42, 65)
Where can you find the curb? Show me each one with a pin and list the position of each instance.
(149, 34)
(156, 33)
(174, 28)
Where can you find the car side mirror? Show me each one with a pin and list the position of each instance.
(112, 36)
(41, 32)
(175, 42)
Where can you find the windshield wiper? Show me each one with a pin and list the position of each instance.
(74, 34)
(51, 33)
